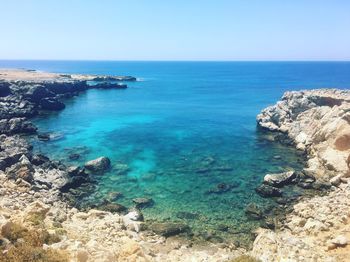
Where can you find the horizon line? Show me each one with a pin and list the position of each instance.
(136, 60)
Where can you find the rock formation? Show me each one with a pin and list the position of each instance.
(318, 122)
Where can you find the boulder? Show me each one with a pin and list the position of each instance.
(133, 220)
(268, 191)
(98, 165)
(51, 103)
(169, 229)
(279, 180)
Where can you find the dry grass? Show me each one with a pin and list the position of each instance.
(245, 258)
(27, 246)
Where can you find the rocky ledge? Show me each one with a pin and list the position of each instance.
(318, 229)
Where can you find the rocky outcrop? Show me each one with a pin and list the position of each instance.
(317, 122)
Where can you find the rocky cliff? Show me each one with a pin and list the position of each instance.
(318, 122)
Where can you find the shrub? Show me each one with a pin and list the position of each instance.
(27, 245)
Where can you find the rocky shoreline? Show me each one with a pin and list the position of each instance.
(317, 122)
(33, 186)
(36, 191)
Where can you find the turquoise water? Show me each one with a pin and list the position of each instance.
(181, 130)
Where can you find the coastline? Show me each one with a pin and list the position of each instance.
(97, 244)
(33, 185)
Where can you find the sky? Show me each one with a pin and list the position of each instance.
(175, 30)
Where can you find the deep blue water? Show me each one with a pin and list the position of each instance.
(181, 130)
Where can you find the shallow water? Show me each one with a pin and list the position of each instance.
(182, 130)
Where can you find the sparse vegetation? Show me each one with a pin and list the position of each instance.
(245, 258)
(27, 245)
(36, 218)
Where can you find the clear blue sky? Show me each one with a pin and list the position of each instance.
(175, 30)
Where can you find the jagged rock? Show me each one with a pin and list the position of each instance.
(279, 180)
(74, 181)
(309, 118)
(22, 170)
(16, 126)
(268, 191)
(39, 159)
(51, 103)
(98, 165)
(76, 171)
(11, 149)
(169, 229)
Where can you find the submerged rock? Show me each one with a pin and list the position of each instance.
(279, 180)
(143, 202)
(112, 207)
(44, 137)
(169, 229)
(112, 196)
(98, 165)
(268, 191)
(187, 215)
(253, 211)
(74, 156)
(222, 188)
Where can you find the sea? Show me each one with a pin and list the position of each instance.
(184, 134)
